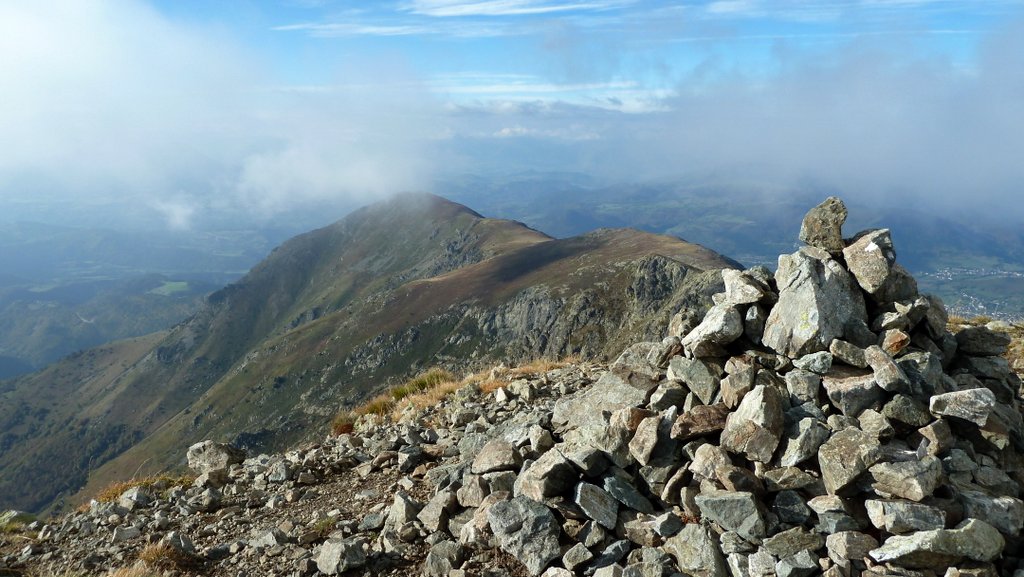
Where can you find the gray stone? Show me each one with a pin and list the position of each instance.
(848, 353)
(1002, 512)
(875, 423)
(907, 410)
(888, 375)
(135, 498)
(818, 299)
(913, 480)
(973, 405)
(803, 386)
(583, 411)
(900, 285)
(526, 530)
(741, 288)
(846, 456)
(791, 507)
(802, 564)
(822, 226)
(123, 533)
(550, 475)
(641, 446)
(209, 456)
(576, 556)
(802, 441)
(734, 511)
(753, 323)
(696, 552)
(849, 546)
(973, 539)
(404, 509)
(755, 428)
(635, 367)
(870, 259)
(627, 494)
(818, 363)
(792, 541)
(597, 504)
(435, 513)
(851, 390)
(442, 559)
(340, 555)
(702, 376)
(982, 342)
(497, 455)
(903, 516)
(668, 395)
(722, 325)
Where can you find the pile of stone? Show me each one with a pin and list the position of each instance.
(818, 421)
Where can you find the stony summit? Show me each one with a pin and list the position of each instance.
(820, 420)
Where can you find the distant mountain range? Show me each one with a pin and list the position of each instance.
(329, 318)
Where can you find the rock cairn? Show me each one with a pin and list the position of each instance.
(818, 421)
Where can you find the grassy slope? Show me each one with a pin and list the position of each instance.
(268, 384)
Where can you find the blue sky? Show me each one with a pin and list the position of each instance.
(188, 108)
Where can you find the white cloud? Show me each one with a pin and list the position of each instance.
(108, 98)
(506, 7)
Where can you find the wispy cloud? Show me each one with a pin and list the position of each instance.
(507, 7)
(337, 29)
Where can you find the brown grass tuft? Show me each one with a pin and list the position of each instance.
(114, 490)
(163, 556)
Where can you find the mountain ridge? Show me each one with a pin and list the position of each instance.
(334, 314)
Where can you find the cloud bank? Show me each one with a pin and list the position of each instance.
(114, 105)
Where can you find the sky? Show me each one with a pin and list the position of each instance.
(186, 111)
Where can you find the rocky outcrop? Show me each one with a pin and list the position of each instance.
(886, 448)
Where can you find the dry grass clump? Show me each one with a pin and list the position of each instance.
(136, 570)
(114, 490)
(163, 556)
(422, 386)
(434, 385)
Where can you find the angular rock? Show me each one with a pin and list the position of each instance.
(442, 559)
(802, 441)
(803, 386)
(973, 405)
(700, 420)
(1002, 512)
(734, 511)
(526, 530)
(702, 376)
(497, 455)
(755, 428)
(870, 259)
(903, 516)
(888, 375)
(627, 494)
(982, 342)
(822, 226)
(818, 299)
(340, 555)
(818, 363)
(913, 480)
(208, 456)
(845, 456)
(696, 552)
(848, 353)
(849, 546)
(792, 541)
(550, 475)
(851, 390)
(973, 539)
(436, 512)
(597, 504)
(741, 288)
(722, 325)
